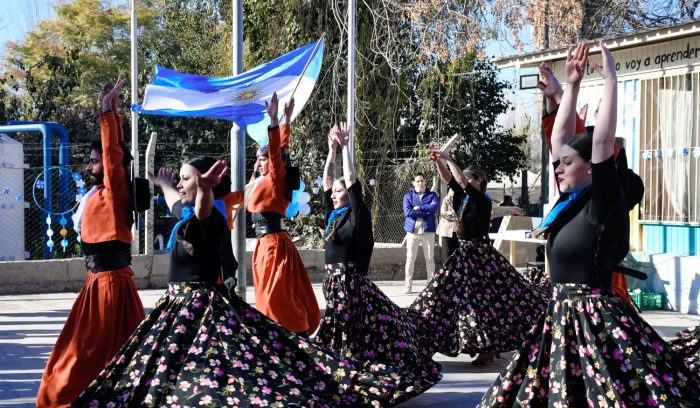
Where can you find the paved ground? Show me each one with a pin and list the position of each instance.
(29, 325)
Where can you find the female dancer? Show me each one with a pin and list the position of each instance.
(201, 347)
(360, 321)
(283, 290)
(477, 302)
(687, 345)
(590, 348)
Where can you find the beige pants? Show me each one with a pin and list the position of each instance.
(427, 240)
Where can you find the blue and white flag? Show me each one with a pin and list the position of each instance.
(241, 98)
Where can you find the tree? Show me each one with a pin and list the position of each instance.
(403, 46)
(466, 98)
(563, 22)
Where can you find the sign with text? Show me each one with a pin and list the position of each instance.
(645, 58)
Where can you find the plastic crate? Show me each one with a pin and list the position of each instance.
(649, 300)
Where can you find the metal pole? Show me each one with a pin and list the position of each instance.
(134, 118)
(351, 76)
(238, 237)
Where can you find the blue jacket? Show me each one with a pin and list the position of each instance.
(428, 208)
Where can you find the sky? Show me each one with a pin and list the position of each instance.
(19, 16)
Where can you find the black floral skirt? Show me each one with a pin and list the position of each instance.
(479, 302)
(362, 323)
(593, 350)
(200, 348)
(687, 345)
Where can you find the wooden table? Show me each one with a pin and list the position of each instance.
(514, 236)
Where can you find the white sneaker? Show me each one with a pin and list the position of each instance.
(408, 288)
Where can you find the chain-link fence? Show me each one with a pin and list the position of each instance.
(37, 202)
(39, 188)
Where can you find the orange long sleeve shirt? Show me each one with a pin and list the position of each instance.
(270, 191)
(107, 215)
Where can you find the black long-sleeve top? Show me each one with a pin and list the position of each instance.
(596, 238)
(353, 240)
(202, 251)
(475, 221)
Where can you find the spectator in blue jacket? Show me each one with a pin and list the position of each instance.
(420, 206)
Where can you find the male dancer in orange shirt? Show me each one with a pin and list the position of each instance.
(108, 308)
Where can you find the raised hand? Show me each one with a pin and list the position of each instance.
(212, 178)
(272, 107)
(164, 177)
(343, 135)
(548, 83)
(435, 154)
(607, 70)
(109, 98)
(583, 112)
(576, 63)
(333, 138)
(288, 111)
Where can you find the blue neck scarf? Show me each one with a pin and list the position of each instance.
(335, 214)
(547, 221)
(187, 213)
(462, 206)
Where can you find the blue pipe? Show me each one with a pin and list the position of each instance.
(47, 129)
(66, 200)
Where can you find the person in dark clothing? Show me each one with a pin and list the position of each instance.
(360, 321)
(204, 345)
(590, 348)
(477, 302)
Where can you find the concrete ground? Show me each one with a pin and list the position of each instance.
(29, 325)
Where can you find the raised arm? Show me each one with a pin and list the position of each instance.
(565, 122)
(454, 168)
(442, 169)
(205, 183)
(164, 180)
(329, 167)
(112, 154)
(604, 132)
(348, 167)
(550, 87)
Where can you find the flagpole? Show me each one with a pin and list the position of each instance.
(134, 117)
(238, 236)
(351, 77)
(308, 62)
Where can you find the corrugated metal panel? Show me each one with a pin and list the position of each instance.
(673, 239)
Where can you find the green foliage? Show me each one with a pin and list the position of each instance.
(404, 103)
(465, 97)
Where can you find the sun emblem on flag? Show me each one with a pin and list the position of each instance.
(247, 95)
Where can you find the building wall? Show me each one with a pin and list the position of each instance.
(152, 271)
(635, 65)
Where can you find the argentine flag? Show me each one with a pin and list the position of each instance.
(241, 98)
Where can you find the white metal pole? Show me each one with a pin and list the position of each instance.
(351, 75)
(238, 237)
(134, 117)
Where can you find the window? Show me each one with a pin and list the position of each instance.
(670, 148)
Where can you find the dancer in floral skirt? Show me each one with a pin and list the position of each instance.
(202, 346)
(687, 345)
(590, 348)
(478, 302)
(360, 320)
